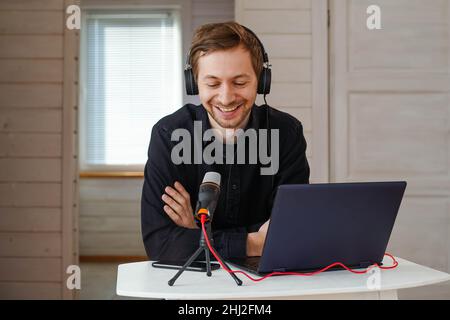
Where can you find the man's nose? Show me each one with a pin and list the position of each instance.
(226, 95)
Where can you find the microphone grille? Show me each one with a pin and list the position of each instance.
(212, 177)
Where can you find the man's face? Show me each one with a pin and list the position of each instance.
(227, 86)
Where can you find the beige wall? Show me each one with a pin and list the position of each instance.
(37, 140)
(390, 114)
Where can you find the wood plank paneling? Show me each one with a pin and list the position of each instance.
(421, 231)
(30, 244)
(30, 170)
(417, 127)
(110, 213)
(121, 4)
(69, 186)
(30, 290)
(30, 22)
(30, 194)
(110, 208)
(112, 243)
(32, 52)
(402, 81)
(36, 46)
(30, 269)
(279, 4)
(289, 95)
(287, 46)
(30, 145)
(111, 189)
(31, 95)
(30, 70)
(208, 7)
(291, 70)
(283, 22)
(200, 20)
(111, 224)
(413, 39)
(31, 5)
(211, 12)
(30, 219)
(30, 120)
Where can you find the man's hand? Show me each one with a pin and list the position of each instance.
(255, 241)
(178, 206)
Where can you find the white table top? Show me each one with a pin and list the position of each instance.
(140, 279)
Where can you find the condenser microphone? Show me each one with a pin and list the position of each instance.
(208, 195)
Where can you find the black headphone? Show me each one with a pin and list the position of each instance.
(263, 82)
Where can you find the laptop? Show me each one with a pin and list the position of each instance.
(315, 225)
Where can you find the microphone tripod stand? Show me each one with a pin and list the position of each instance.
(203, 247)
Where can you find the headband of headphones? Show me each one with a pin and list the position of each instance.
(264, 78)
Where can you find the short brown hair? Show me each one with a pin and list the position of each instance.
(222, 36)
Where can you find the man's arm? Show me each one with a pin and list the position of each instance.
(163, 239)
(255, 241)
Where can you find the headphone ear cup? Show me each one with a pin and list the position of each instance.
(264, 81)
(191, 85)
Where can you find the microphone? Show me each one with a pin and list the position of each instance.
(208, 195)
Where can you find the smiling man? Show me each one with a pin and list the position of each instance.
(227, 61)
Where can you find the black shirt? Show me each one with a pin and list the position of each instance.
(246, 196)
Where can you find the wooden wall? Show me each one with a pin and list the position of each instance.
(390, 113)
(110, 223)
(37, 148)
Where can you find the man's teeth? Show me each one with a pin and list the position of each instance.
(228, 110)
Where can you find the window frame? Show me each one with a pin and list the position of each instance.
(181, 20)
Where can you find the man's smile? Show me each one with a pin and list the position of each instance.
(228, 113)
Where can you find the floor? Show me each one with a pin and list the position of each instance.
(98, 281)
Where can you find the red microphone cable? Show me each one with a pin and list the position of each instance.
(203, 220)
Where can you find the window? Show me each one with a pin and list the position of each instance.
(130, 78)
